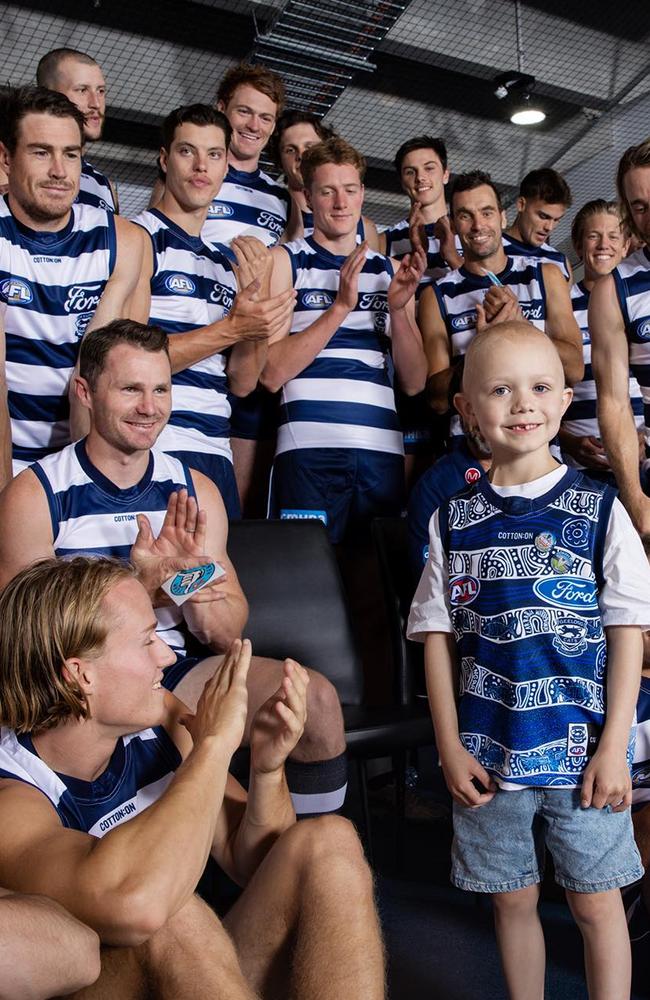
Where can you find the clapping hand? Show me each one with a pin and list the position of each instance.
(280, 721)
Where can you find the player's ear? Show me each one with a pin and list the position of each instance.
(464, 407)
(163, 156)
(307, 195)
(77, 673)
(81, 390)
(567, 396)
(4, 157)
(520, 203)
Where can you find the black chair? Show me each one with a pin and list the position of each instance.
(290, 576)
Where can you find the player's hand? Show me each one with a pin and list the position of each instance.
(417, 232)
(406, 279)
(221, 709)
(459, 769)
(607, 782)
(256, 318)
(497, 308)
(587, 450)
(280, 722)
(348, 292)
(443, 232)
(254, 262)
(638, 507)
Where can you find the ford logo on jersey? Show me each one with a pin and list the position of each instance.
(376, 300)
(219, 211)
(82, 298)
(571, 592)
(317, 300)
(463, 589)
(221, 295)
(532, 312)
(16, 292)
(464, 320)
(644, 329)
(180, 284)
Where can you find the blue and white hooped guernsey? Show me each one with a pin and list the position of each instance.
(459, 292)
(94, 188)
(581, 417)
(92, 516)
(249, 204)
(632, 280)
(398, 245)
(546, 253)
(191, 286)
(344, 398)
(50, 286)
(524, 580)
(140, 769)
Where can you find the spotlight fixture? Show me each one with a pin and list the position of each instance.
(518, 85)
(526, 114)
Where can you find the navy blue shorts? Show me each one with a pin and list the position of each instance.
(218, 469)
(416, 420)
(343, 487)
(255, 417)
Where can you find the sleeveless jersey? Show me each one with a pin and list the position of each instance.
(460, 290)
(140, 769)
(191, 286)
(92, 516)
(308, 226)
(344, 397)
(50, 286)
(581, 417)
(398, 245)
(524, 580)
(249, 204)
(94, 188)
(546, 253)
(632, 281)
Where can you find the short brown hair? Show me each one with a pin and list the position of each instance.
(50, 612)
(634, 156)
(259, 77)
(47, 71)
(547, 185)
(469, 182)
(97, 344)
(599, 206)
(334, 150)
(19, 103)
(292, 117)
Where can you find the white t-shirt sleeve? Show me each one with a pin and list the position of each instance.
(625, 596)
(430, 607)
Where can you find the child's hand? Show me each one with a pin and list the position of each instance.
(607, 782)
(459, 768)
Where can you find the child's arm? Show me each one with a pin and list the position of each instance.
(607, 778)
(458, 765)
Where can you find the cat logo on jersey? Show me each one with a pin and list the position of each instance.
(463, 589)
(219, 211)
(317, 300)
(16, 292)
(180, 284)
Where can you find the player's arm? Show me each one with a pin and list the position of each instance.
(33, 965)
(561, 324)
(248, 357)
(139, 304)
(5, 422)
(437, 350)
(117, 294)
(611, 368)
(290, 355)
(25, 525)
(372, 237)
(215, 623)
(408, 353)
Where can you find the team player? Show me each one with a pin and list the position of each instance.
(89, 498)
(189, 289)
(544, 197)
(79, 77)
(113, 796)
(64, 267)
(532, 606)
(599, 241)
(340, 455)
(490, 287)
(619, 323)
(295, 132)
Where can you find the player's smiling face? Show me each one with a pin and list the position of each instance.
(336, 199)
(476, 219)
(603, 245)
(195, 165)
(423, 176)
(44, 170)
(252, 115)
(636, 185)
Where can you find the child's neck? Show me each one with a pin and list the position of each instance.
(516, 470)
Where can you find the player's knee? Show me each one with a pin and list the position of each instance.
(330, 844)
(324, 731)
(518, 904)
(594, 909)
(194, 922)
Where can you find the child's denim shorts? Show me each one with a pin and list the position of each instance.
(499, 847)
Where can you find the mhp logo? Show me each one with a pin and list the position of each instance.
(463, 589)
(464, 320)
(180, 284)
(218, 210)
(16, 292)
(317, 300)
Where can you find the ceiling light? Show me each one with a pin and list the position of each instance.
(518, 85)
(526, 114)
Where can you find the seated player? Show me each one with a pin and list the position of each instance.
(544, 197)
(532, 607)
(111, 494)
(340, 454)
(113, 796)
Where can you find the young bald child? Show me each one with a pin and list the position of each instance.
(532, 606)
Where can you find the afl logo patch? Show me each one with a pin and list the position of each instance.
(220, 211)
(180, 284)
(472, 475)
(643, 330)
(16, 292)
(463, 590)
(464, 321)
(317, 300)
